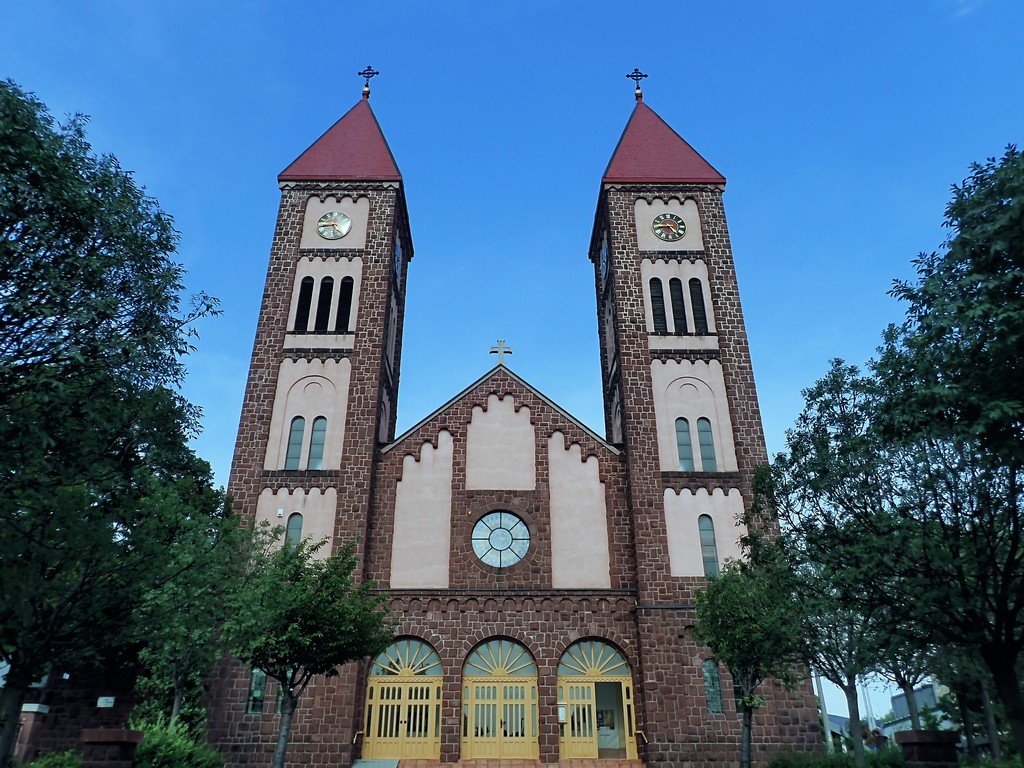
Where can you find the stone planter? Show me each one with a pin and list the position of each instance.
(109, 747)
(928, 749)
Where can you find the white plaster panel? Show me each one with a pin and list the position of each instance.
(309, 388)
(421, 543)
(501, 447)
(317, 509)
(357, 210)
(681, 513)
(319, 267)
(687, 210)
(579, 519)
(684, 270)
(692, 389)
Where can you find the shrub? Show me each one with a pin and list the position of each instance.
(166, 746)
(887, 757)
(67, 759)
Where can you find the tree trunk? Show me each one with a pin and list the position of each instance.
(990, 721)
(965, 717)
(1007, 682)
(856, 738)
(748, 724)
(10, 711)
(915, 715)
(288, 704)
(179, 695)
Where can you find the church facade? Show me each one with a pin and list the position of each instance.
(542, 575)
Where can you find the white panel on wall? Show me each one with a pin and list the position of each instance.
(501, 447)
(692, 389)
(579, 519)
(681, 513)
(421, 543)
(309, 388)
(317, 509)
(358, 212)
(687, 210)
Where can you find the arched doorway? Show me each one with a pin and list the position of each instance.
(499, 702)
(595, 700)
(403, 703)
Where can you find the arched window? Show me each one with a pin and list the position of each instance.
(295, 434)
(257, 691)
(675, 291)
(658, 306)
(707, 446)
(712, 686)
(293, 532)
(323, 304)
(343, 321)
(317, 438)
(500, 658)
(592, 658)
(700, 314)
(684, 445)
(407, 657)
(305, 300)
(708, 548)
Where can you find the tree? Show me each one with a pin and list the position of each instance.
(749, 619)
(952, 376)
(298, 617)
(96, 477)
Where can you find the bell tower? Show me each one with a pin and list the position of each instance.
(679, 397)
(323, 382)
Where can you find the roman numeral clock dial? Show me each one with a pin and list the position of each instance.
(668, 227)
(333, 225)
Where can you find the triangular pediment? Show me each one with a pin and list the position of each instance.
(501, 381)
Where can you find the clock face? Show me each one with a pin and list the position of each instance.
(333, 225)
(668, 227)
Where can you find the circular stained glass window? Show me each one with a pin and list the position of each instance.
(501, 539)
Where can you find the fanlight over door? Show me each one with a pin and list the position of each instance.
(403, 703)
(595, 686)
(499, 702)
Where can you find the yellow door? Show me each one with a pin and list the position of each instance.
(403, 703)
(499, 703)
(596, 692)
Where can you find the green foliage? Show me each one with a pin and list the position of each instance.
(98, 486)
(174, 746)
(69, 759)
(297, 617)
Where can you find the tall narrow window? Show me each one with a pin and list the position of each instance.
(343, 321)
(323, 304)
(708, 548)
(684, 445)
(712, 686)
(700, 314)
(317, 438)
(257, 691)
(707, 446)
(675, 291)
(658, 306)
(293, 532)
(305, 300)
(295, 435)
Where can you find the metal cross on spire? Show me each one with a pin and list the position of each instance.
(636, 76)
(367, 73)
(501, 350)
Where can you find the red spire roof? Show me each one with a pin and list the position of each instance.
(352, 148)
(649, 151)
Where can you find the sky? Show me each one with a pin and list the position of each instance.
(840, 127)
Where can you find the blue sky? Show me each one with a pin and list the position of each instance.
(840, 127)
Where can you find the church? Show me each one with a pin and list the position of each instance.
(542, 574)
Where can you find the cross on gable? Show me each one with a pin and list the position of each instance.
(501, 350)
